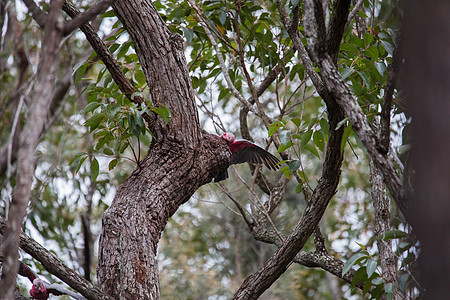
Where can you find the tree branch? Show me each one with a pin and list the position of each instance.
(110, 62)
(277, 264)
(29, 139)
(337, 26)
(255, 97)
(354, 11)
(86, 16)
(162, 58)
(385, 121)
(382, 225)
(230, 84)
(52, 264)
(296, 40)
(38, 14)
(337, 87)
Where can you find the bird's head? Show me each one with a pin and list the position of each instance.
(228, 136)
(38, 290)
(39, 284)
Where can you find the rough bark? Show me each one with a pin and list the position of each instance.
(29, 139)
(426, 48)
(179, 161)
(382, 225)
(132, 225)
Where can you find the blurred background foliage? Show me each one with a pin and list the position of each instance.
(206, 250)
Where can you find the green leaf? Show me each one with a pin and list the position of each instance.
(389, 289)
(381, 67)
(393, 234)
(361, 246)
(113, 163)
(123, 147)
(94, 121)
(83, 158)
(94, 169)
(140, 78)
(352, 261)
(402, 282)
(346, 72)
(296, 121)
(377, 292)
(76, 156)
(223, 93)
(342, 122)
(286, 172)
(303, 176)
(372, 52)
(91, 106)
(298, 188)
(371, 266)
(274, 127)
(134, 127)
(360, 276)
(346, 47)
(78, 160)
(284, 147)
(312, 149)
(324, 127)
(377, 281)
(312, 122)
(306, 137)
(109, 14)
(364, 78)
(124, 49)
(368, 38)
(222, 17)
(294, 165)
(319, 140)
(108, 151)
(163, 112)
(367, 286)
(114, 47)
(80, 70)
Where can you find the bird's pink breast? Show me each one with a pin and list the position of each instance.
(35, 293)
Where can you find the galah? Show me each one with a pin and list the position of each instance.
(245, 151)
(42, 289)
(38, 290)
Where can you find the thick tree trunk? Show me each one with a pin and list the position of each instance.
(179, 161)
(427, 28)
(29, 139)
(132, 226)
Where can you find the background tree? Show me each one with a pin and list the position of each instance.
(316, 80)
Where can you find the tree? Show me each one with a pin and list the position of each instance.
(319, 80)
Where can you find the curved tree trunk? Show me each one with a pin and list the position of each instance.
(179, 161)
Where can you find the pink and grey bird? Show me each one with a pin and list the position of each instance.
(42, 289)
(245, 151)
(38, 290)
